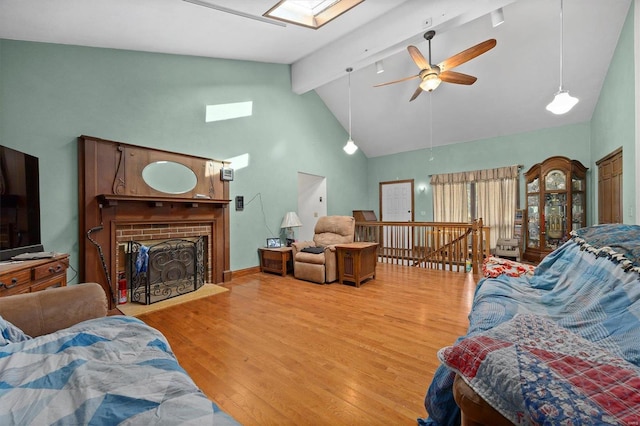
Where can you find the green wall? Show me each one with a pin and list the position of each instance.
(613, 121)
(525, 149)
(612, 126)
(50, 94)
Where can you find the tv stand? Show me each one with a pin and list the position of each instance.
(33, 275)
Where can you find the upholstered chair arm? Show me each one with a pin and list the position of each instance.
(299, 245)
(331, 263)
(46, 311)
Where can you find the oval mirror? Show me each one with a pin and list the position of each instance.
(169, 177)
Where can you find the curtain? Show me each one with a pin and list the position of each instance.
(496, 192)
(450, 202)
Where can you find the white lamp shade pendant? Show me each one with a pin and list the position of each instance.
(351, 147)
(562, 102)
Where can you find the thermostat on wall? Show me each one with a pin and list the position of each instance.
(226, 174)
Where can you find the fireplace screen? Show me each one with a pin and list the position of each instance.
(164, 270)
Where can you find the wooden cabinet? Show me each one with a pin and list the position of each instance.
(33, 275)
(356, 262)
(556, 204)
(610, 188)
(278, 260)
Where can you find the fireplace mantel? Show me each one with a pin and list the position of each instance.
(109, 200)
(113, 192)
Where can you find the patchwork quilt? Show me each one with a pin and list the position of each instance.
(590, 286)
(536, 372)
(113, 370)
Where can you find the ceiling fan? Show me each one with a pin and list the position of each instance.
(433, 75)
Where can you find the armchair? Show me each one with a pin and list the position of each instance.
(323, 267)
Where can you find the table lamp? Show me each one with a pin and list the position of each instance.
(290, 221)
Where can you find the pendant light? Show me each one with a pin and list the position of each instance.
(350, 148)
(562, 102)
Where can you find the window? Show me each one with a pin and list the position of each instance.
(310, 13)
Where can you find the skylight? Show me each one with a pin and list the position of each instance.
(310, 13)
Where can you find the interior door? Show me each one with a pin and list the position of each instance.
(396, 201)
(396, 205)
(610, 188)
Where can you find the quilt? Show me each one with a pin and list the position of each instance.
(113, 370)
(589, 286)
(536, 372)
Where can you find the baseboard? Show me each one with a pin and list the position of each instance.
(248, 271)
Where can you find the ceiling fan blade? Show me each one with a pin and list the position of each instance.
(467, 55)
(457, 77)
(417, 57)
(416, 93)
(396, 81)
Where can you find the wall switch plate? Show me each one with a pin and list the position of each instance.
(239, 202)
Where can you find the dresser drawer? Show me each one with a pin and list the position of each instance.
(49, 269)
(15, 282)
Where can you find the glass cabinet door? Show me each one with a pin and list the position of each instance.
(533, 213)
(578, 203)
(555, 214)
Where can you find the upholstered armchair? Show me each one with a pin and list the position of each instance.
(322, 267)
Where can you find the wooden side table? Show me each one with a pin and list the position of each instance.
(356, 262)
(278, 260)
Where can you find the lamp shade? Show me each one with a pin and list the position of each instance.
(562, 103)
(350, 148)
(290, 220)
(430, 83)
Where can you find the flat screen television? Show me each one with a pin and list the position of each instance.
(19, 204)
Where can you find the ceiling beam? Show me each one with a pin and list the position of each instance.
(385, 36)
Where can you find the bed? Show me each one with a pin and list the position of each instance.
(557, 345)
(105, 370)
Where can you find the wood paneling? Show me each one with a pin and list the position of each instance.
(280, 351)
(112, 192)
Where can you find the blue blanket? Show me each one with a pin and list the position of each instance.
(589, 286)
(114, 370)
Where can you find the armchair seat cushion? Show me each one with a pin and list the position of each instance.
(313, 258)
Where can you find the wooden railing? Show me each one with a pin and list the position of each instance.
(433, 245)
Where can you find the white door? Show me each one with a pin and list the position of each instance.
(396, 201)
(396, 205)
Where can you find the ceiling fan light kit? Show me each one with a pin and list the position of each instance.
(562, 101)
(350, 148)
(432, 75)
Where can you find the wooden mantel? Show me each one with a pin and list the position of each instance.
(113, 192)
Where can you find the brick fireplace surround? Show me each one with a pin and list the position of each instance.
(156, 232)
(116, 202)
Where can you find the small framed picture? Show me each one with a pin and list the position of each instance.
(273, 242)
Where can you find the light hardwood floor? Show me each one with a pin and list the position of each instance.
(276, 351)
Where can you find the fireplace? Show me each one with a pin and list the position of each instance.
(118, 205)
(164, 270)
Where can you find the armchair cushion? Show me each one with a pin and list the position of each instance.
(312, 258)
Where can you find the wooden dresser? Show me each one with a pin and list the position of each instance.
(33, 275)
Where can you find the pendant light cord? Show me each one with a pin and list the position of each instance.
(349, 79)
(561, 40)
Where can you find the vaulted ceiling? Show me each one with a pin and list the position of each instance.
(515, 82)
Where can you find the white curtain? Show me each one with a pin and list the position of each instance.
(496, 193)
(450, 198)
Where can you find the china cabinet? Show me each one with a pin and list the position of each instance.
(556, 204)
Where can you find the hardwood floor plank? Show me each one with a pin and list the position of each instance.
(276, 350)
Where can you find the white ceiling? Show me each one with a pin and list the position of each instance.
(515, 80)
